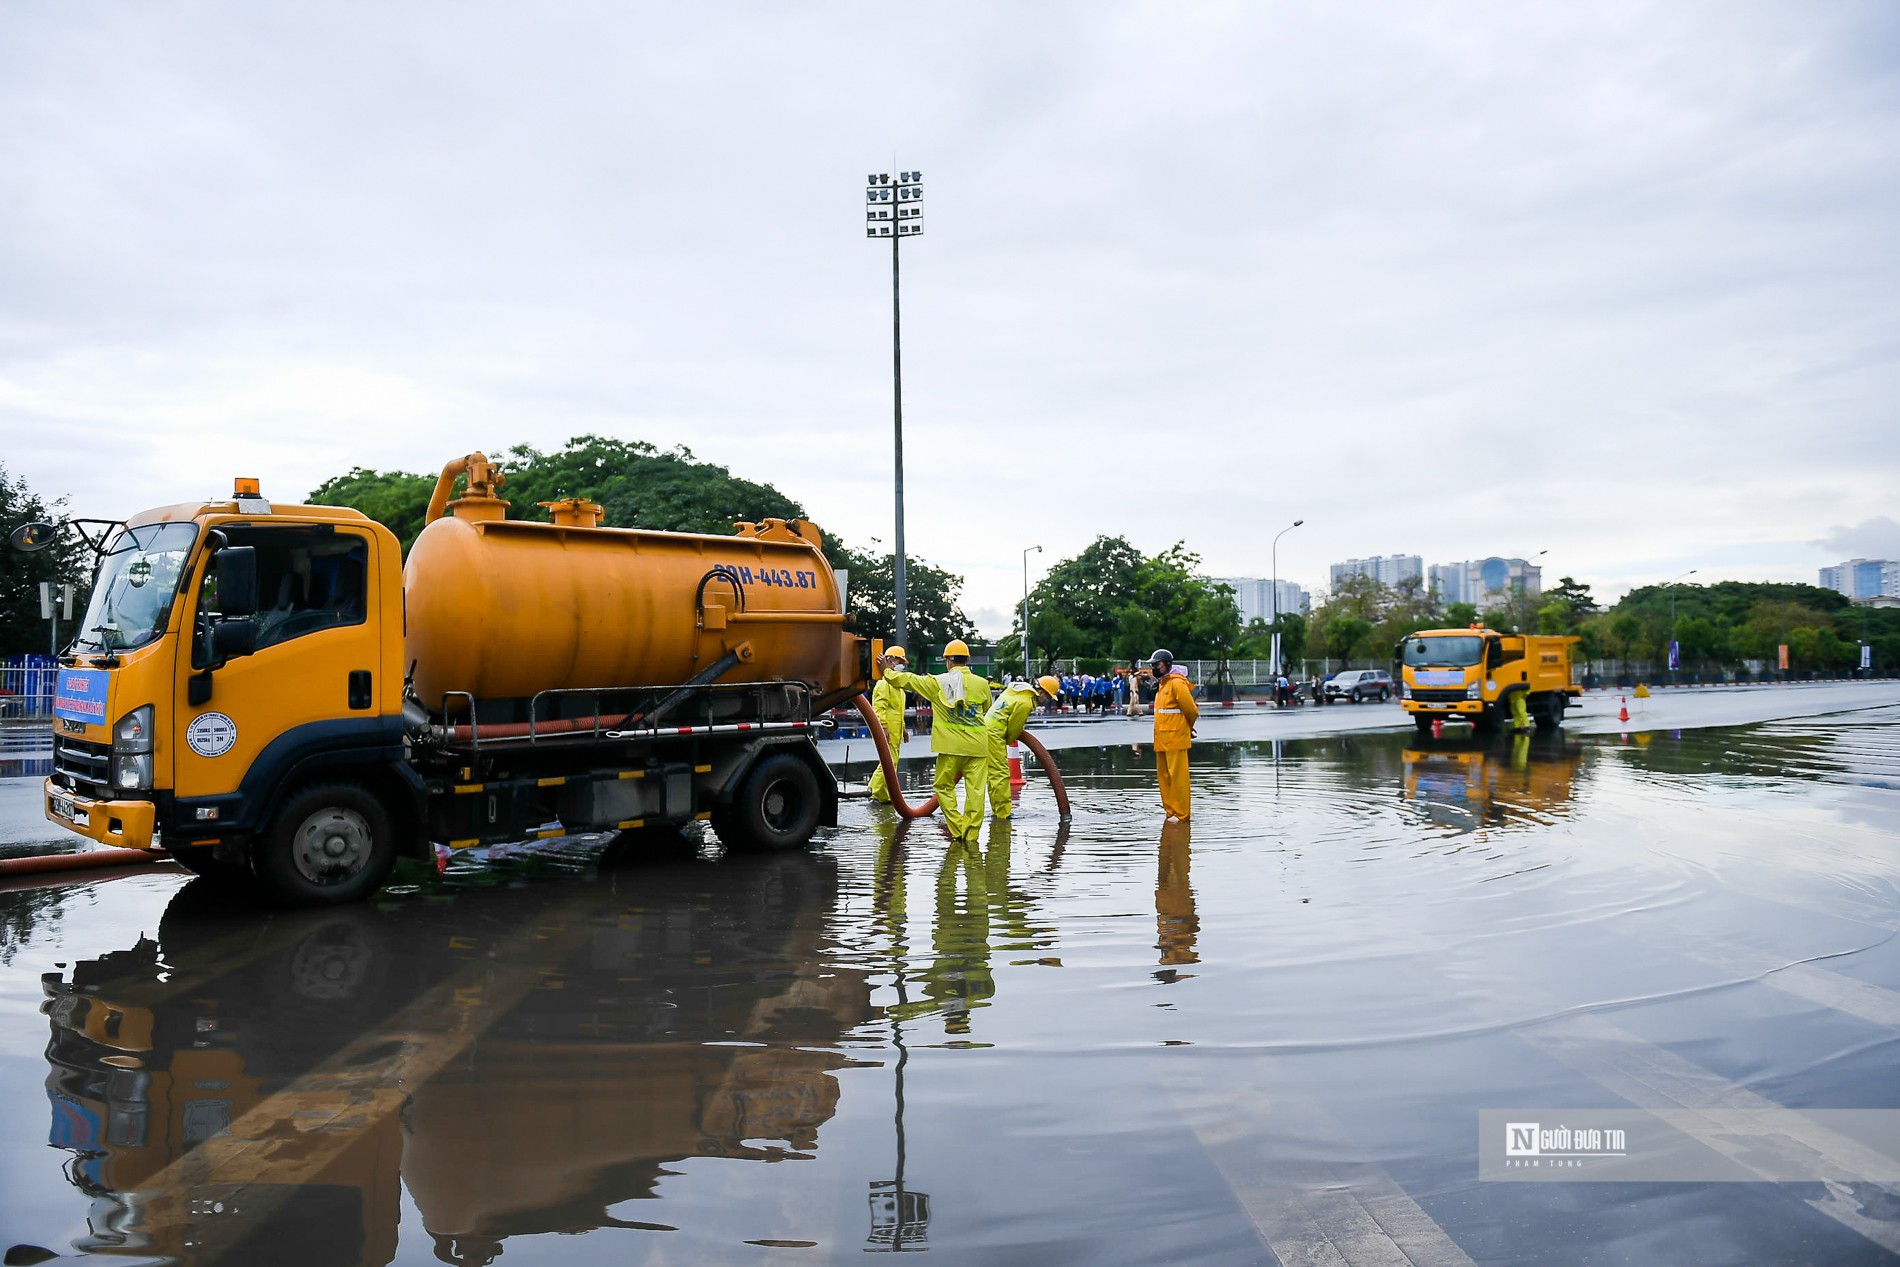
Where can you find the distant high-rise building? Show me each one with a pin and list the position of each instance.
(1254, 596)
(1475, 580)
(1389, 569)
(1863, 578)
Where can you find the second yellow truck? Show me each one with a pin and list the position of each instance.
(1471, 674)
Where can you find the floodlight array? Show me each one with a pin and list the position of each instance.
(893, 208)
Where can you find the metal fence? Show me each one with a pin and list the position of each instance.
(1256, 672)
(26, 686)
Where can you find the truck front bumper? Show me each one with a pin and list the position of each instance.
(1466, 707)
(121, 824)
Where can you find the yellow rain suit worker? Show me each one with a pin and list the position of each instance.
(958, 699)
(1175, 715)
(1520, 712)
(887, 702)
(1005, 722)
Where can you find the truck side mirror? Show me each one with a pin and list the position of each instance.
(33, 536)
(237, 583)
(233, 638)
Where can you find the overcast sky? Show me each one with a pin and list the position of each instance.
(1613, 280)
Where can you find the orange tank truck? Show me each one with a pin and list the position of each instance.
(270, 694)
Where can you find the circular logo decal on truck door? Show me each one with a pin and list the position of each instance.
(211, 734)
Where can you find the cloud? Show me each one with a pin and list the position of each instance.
(1446, 278)
(1876, 538)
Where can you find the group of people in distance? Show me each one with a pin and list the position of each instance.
(970, 731)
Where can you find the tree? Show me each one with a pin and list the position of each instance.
(1460, 615)
(66, 561)
(930, 601)
(639, 485)
(1347, 635)
(1111, 600)
(395, 499)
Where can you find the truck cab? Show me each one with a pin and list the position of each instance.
(1471, 675)
(229, 649)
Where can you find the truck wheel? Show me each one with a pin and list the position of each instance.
(1485, 722)
(777, 807)
(1551, 715)
(330, 843)
(1423, 721)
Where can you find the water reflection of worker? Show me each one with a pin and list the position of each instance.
(887, 701)
(1175, 715)
(958, 699)
(1005, 722)
(974, 898)
(1176, 922)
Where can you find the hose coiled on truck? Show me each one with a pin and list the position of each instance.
(889, 762)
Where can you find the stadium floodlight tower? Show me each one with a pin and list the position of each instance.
(895, 210)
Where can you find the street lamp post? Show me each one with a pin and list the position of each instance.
(895, 210)
(1028, 671)
(1274, 603)
(1673, 641)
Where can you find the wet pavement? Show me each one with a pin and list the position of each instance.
(1263, 1036)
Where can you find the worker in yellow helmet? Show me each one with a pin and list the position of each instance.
(958, 699)
(1005, 722)
(887, 702)
(1175, 715)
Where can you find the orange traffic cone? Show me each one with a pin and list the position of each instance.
(1015, 767)
(1623, 714)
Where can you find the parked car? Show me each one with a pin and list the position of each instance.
(1360, 684)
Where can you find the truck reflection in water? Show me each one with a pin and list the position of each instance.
(1472, 781)
(259, 1089)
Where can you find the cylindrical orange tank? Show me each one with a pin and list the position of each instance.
(503, 609)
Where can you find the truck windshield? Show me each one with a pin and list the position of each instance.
(139, 574)
(1451, 652)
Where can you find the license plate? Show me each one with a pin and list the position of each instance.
(70, 812)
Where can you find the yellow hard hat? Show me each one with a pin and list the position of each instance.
(897, 653)
(1050, 685)
(956, 648)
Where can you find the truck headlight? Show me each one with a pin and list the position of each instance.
(134, 731)
(1474, 691)
(132, 771)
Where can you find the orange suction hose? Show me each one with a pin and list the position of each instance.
(1048, 763)
(39, 863)
(889, 763)
(929, 807)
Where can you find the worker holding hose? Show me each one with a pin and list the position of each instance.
(888, 702)
(1005, 722)
(1175, 715)
(958, 699)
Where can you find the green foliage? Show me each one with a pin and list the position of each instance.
(395, 499)
(1719, 626)
(67, 560)
(930, 602)
(1460, 615)
(1364, 617)
(1112, 601)
(639, 485)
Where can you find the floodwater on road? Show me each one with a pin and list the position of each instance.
(1265, 1035)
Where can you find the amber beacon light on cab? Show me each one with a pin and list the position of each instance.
(270, 691)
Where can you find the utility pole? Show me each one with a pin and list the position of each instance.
(1029, 670)
(896, 211)
(1274, 603)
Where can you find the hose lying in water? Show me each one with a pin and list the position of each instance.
(889, 762)
(40, 863)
